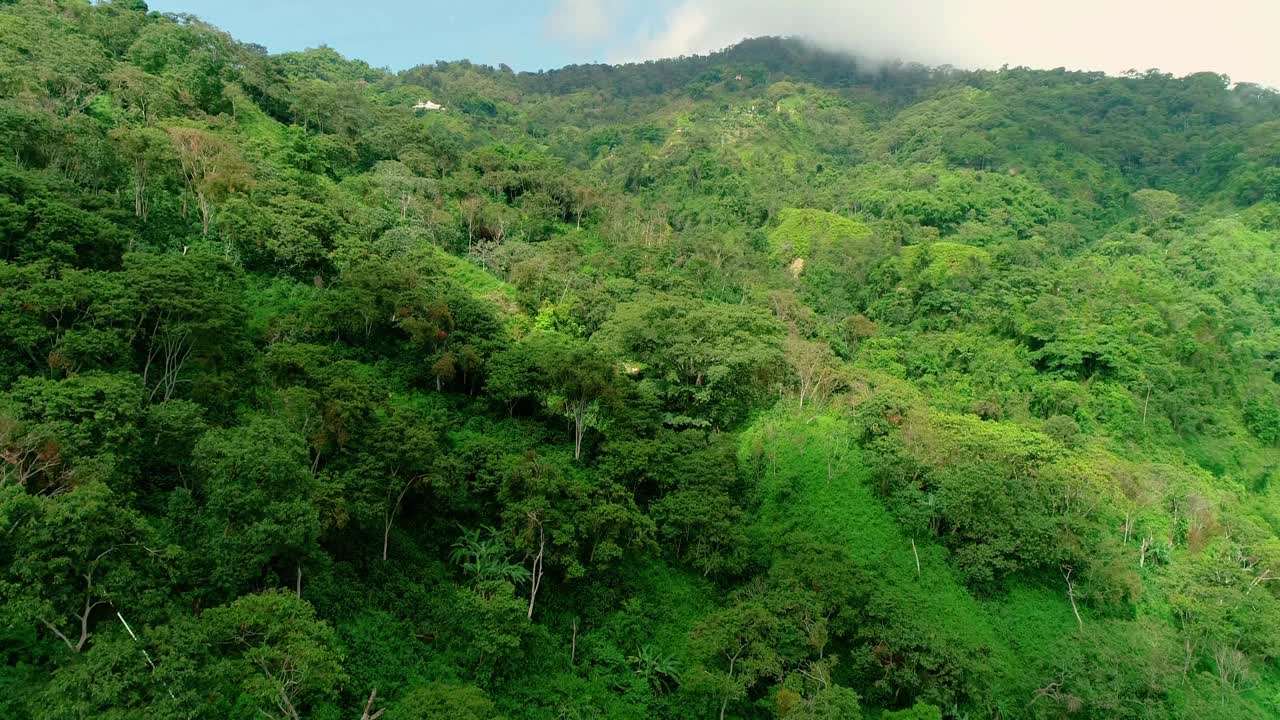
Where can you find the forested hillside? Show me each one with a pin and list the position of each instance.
(768, 384)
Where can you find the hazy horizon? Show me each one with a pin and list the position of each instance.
(1229, 37)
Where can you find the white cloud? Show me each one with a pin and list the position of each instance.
(1235, 37)
(580, 20)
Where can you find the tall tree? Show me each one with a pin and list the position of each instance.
(211, 166)
(150, 150)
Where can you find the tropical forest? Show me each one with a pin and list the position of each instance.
(772, 383)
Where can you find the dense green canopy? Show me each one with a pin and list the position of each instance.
(766, 384)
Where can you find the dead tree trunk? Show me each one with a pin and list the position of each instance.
(369, 713)
(1266, 576)
(150, 663)
(579, 408)
(1071, 594)
(206, 213)
(390, 517)
(139, 189)
(724, 701)
(169, 350)
(535, 577)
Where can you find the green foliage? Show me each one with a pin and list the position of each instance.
(760, 384)
(486, 559)
(656, 668)
(707, 362)
(282, 656)
(799, 232)
(919, 711)
(439, 700)
(830, 528)
(944, 264)
(257, 512)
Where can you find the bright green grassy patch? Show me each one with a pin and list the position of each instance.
(814, 483)
(940, 263)
(799, 230)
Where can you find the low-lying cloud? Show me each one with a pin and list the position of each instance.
(582, 21)
(1235, 37)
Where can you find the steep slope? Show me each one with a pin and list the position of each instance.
(760, 384)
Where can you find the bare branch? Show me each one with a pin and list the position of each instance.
(70, 646)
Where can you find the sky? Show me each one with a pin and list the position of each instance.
(1235, 37)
